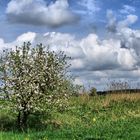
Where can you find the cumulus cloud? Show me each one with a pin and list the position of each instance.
(89, 53)
(94, 60)
(36, 12)
(29, 36)
(129, 38)
(114, 26)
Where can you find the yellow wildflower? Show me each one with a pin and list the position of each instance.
(26, 138)
(94, 119)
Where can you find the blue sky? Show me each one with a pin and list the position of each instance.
(102, 36)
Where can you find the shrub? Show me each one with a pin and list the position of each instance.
(93, 92)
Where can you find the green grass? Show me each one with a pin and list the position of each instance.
(113, 117)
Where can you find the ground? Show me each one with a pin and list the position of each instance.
(110, 117)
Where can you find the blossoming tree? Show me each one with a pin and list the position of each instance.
(33, 79)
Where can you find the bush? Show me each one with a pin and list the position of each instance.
(93, 92)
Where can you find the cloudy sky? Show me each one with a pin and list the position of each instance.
(101, 36)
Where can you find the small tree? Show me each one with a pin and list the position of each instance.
(32, 79)
(93, 91)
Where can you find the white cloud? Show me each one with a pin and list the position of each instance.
(94, 60)
(89, 53)
(111, 26)
(91, 6)
(30, 36)
(127, 9)
(2, 44)
(36, 12)
(129, 38)
(114, 26)
(130, 19)
(78, 81)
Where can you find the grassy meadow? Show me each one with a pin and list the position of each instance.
(110, 117)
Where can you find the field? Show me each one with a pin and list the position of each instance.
(110, 117)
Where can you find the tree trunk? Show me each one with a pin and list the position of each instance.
(22, 120)
(19, 120)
